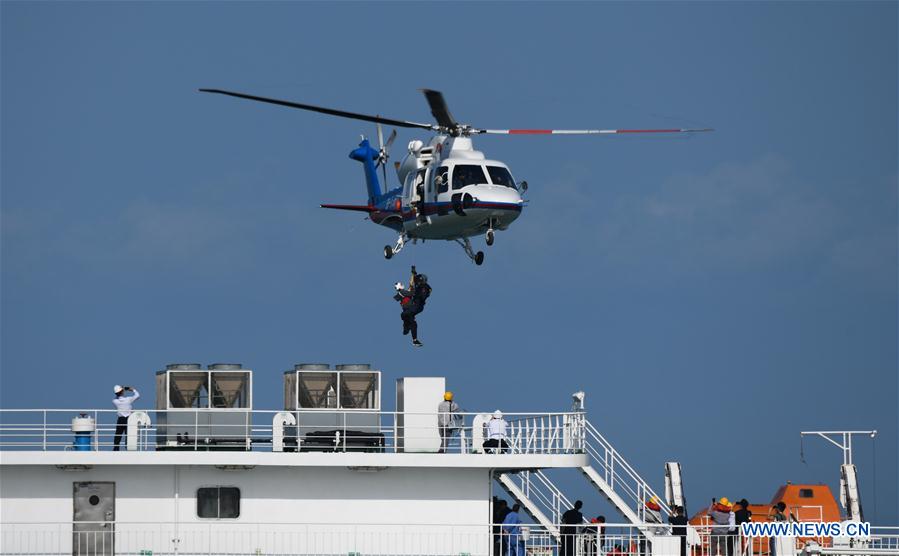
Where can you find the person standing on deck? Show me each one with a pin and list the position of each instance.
(500, 511)
(778, 513)
(512, 532)
(722, 518)
(123, 405)
(449, 419)
(679, 529)
(741, 515)
(596, 536)
(570, 522)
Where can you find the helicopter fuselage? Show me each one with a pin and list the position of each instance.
(449, 192)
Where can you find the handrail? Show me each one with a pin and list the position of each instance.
(337, 430)
(422, 539)
(610, 462)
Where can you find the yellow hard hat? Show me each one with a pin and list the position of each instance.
(448, 396)
(724, 501)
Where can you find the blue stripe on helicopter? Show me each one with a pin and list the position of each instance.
(433, 208)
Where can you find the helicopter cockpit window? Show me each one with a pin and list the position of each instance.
(467, 174)
(500, 176)
(441, 180)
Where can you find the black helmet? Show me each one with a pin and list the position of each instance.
(422, 278)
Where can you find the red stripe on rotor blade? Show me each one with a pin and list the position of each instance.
(530, 131)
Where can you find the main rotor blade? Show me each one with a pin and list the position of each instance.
(584, 131)
(329, 111)
(439, 109)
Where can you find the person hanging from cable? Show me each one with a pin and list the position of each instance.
(412, 300)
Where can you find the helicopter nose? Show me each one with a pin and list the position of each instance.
(496, 194)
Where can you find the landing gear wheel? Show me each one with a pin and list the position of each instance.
(389, 251)
(476, 258)
(490, 237)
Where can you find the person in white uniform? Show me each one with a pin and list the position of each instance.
(124, 406)
(496, 434)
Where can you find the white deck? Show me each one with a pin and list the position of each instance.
(302, 459)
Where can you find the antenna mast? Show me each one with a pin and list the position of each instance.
(845, 442)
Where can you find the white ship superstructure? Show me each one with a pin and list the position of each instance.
(330, 472)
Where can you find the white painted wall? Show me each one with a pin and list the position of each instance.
(430, 509)
(417, 399)
(279, 494)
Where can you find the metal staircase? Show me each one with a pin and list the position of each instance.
(614, 477)
(527, 498)
(608, 472)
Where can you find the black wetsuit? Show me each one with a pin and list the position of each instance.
(415, 303)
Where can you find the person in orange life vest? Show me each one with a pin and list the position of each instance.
(653, 510)
(596, 536)
(723, 525)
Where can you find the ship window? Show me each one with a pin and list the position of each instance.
(806, 493)
(500, 176)
(467, 174)
(218, 502)
(443, 178)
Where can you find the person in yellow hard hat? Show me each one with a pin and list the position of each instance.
(449, 419)
(723, 525)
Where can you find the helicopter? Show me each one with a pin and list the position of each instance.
(448, 190)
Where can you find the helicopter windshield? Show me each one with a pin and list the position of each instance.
(467, 174)
(500, 176)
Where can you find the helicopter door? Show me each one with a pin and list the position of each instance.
(407, 189)
(418, 196)
(418, 186)
(440, 183)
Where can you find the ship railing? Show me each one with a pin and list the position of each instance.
(232, 537)
(357, 430)
(540, 489)
(706, 536)
(620, 475)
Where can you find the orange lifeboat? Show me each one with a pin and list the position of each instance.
(804, 503)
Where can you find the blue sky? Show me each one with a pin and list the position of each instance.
(713, 295)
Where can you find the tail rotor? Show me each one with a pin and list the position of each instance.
(384, 152)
